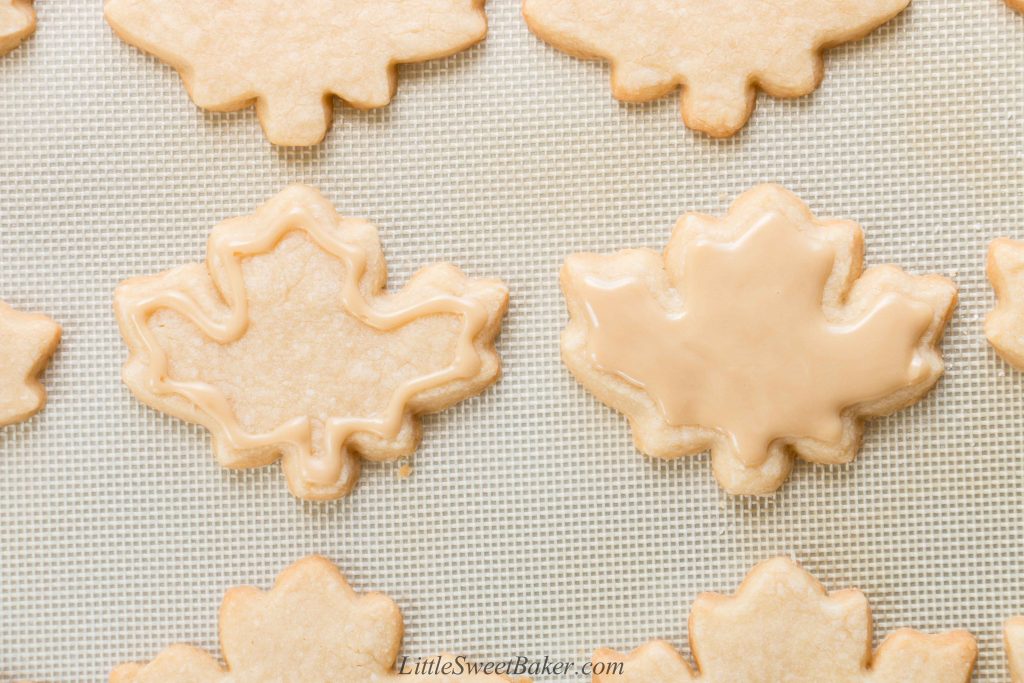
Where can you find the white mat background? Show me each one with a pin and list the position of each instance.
(530, 525)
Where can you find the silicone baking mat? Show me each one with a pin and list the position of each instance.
(530, 524)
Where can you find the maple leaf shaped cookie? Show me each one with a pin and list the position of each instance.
(291, 58)
(27, 340)
(311, 627)
(1004, 325)
(757, 336)
(284, 343)
(17, 22)
(719, 52)
(781, 626)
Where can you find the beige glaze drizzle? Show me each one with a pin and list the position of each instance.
(225, 250)
(751, 353)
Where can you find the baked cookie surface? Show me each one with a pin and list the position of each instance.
(1013, 638)
(719, 52)
(27, 341)
(758, 336)
(1004, 325)
(311, 627)
(17, 22)
(782, 626)
(284, 343)
(292, 58)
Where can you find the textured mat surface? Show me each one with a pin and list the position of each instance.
(530, 525)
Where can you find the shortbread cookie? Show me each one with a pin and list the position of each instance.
(27, 340)
(1013, 637)
(757, 336)
(1016, 4)
(1004, 325)
(17, 22)
(292, 58)
(311, 627)
(284, 344)
(719, 52)
(781, 626)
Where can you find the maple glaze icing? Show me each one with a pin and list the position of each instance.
(226, 251)
(757, 363)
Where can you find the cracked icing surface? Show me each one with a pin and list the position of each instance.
(283, 343)
(17, 22)
(27, 340)
(291, 58)
(720, 51)
(756, 336)
(781, 626)
(311, 627)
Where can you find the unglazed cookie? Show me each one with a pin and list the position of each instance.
(781, 626)
(1013, 636)
(311, 627)
(758, 336)
(1004, 325)
(1017, 5)
(284, 343)
(719, 52)
(27, 340)
(17, 22)
(292, 58)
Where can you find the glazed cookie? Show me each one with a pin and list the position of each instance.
(790, 630)
(757, 336)
(719, 52)
(17, 22)
(284, 343)
(311, 627)
(1004, 325)
(1013, 636)
(27, 340)
(291, 59)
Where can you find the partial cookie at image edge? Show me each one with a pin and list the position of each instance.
(294, 98)
(1004, 324)
(817, 636)
(311, 625)
(1013, 641)
(719, 82)
(27, 341)
(17, 22)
